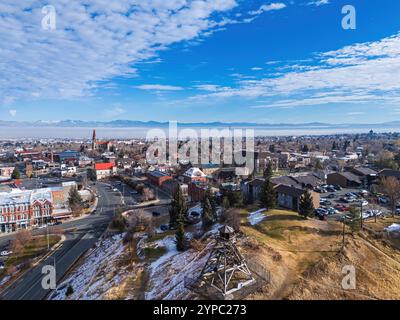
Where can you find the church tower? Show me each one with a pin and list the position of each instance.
(94, 140)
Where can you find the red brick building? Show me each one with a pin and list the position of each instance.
(157, 178)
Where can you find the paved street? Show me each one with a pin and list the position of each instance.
(80, 234)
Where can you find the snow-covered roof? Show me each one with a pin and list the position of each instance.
(194, 172)
(17, 196)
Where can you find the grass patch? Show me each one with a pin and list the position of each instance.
(35, 248)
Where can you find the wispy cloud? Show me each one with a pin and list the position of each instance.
(12, 112)
(268, 7)
(95, 40)
(359, 73)
(318, 3)
(116, 111)
(158, 87)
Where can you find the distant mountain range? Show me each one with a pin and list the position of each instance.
(152, 124)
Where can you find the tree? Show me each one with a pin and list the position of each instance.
(354, 222)
(268, 171)
(268, 195)
(69, 291)
(271, 148)
(305, 148)
(306, 205)
(180, 238)
(391, 187)
(225, 203)
(178, 208)
(207, 216)
(75, 202)
(16, 174)
(334, 146)
(318, 164)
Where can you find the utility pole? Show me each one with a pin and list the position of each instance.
(48, 241)
(361, 215)
(343, 232)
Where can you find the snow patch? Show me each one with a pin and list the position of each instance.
(256, 216)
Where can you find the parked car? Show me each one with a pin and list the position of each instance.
(332, 210)
(383, 200)
(1, 265)
(321, 212)
(331, 196)
(164, 227)
(155, 214)
(337, 187)
(5, 253)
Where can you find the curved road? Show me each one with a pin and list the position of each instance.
(80, 235)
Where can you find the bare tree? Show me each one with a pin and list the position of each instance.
(391, 187)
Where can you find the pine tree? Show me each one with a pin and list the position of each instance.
(180, 236)
(306, 205)
(178, 208)
(355, 221)
(334, 145)
(268, 171)
(225, 203)
(16, 174)
(268, 195)
(207, 217)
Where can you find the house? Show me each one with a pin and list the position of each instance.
(365, 174)
(104, 170)
(289, 197)
(344, 179)
(251, 189)
(389, 173)
(194, 175)
(170, 186)
(157, 178)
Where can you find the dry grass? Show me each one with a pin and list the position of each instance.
(312, 260)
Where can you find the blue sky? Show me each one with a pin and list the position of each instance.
(201, 61)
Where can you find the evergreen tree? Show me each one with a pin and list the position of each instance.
(16, 174)
(334, 145)
(178, 208)
(355, 221)
(305, 148)
(268, 171)
(271, 148)
(306, 205)
(180, 238)
(268, 195)
(318, 164)
(207, 217)
(225, 203)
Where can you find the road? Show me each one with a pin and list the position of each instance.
(80, 234)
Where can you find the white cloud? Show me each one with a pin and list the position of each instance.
(318, 3)
(356, 113)
(359, 73)
(268, 7)
(158, 87)
(256, 68)
(12, 112)
(95, 40)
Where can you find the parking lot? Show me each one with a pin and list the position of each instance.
(340, 200)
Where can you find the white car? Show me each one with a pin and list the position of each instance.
(5, 253)
(115, 190)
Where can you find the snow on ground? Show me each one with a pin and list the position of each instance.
(394, 227)
(97, 274)
(167, 274)
(256, 216)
